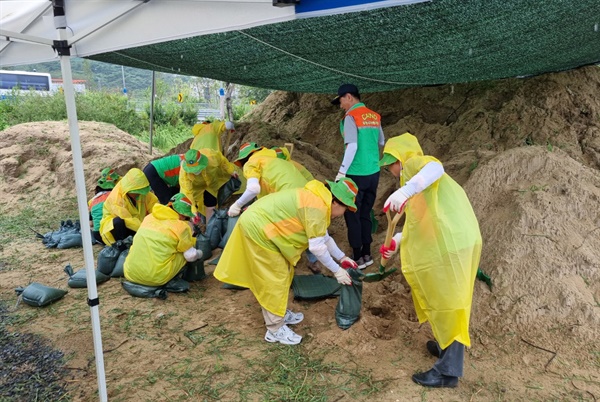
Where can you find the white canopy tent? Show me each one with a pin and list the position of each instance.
(39, 30)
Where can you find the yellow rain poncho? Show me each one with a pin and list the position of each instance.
(217, 172)
(208, 135)
(304, 171)
(119, 204)
(156, 255)
(440, 247)
(273, 174)
(268, 240)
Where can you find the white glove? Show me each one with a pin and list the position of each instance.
(234, 210)
(343, 277)
(340, 176)
(396, 202)
(229, 125)
(192, 254)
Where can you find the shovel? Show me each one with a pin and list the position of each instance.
(382, 274)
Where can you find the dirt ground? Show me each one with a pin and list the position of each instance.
(527, 153)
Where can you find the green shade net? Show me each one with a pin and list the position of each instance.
(438, 42)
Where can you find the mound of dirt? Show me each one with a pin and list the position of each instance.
(36, 162)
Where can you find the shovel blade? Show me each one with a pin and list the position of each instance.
(378, 276)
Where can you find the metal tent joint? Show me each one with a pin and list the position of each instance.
(62, 47)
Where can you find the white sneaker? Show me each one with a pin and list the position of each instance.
(292, 318)
(283, 335)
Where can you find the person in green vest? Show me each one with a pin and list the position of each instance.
(163, 176)
(107, 181)
(363, 139)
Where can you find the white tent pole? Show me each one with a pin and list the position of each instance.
(152, 107)
(88, 254)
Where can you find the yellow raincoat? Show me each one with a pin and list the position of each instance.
(440, 247)
(217, 172)
(156, 255)
(273, 174)
(208, 135)
(304, 171)
(268, 240)
(119, 204)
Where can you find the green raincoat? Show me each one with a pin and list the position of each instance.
(440, 247)
(268, 240)
(119, 204)
(156, 255)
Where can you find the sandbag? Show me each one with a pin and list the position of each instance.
(79, 279)
(315, 287)
(39, 295)
(177, 285)
(119, 271)
(107, 259)
(69, 230)
(216, 227)
(203, 244)
(70, 240)
(194, 271)
(227, 190)
(231, 221)
(349, 304)
(138, 290)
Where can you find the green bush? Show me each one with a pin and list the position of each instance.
(166, 137)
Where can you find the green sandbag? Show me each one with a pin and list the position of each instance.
(216, 227)
(227, 190)
(38, 295)
(79, 279)
(349, 304)
(107, 259)
(315, 287)
(203, 244)
(194, 271)
(374, 222)
(118, 271)
(231, 221)
(68, 230)
(138, 290)
(177, 285)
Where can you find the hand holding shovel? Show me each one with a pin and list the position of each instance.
(382, 274)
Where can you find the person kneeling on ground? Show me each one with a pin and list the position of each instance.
(163, 245)
(440, 246)
(107, 181)
(268, 240)
(126, 206)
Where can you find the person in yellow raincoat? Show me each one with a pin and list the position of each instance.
(202, 175)
(126, 206)
(265, 174)
(284, 153)
(440, 246)
(208, 134)
(163, 244)
(268, 240)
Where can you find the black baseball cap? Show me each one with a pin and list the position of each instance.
(343, 90)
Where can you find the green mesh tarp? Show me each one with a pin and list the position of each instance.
(431, 43)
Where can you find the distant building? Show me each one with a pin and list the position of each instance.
(78, 85)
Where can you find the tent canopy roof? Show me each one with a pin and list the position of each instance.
(379, 49)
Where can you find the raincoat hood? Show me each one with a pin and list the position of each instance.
(135, 179)
(403, 147)
(319, 189)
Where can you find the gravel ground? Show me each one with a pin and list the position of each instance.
(30, 369)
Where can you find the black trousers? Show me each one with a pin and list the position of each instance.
(120, 231)
(359, 223)
(162, 190)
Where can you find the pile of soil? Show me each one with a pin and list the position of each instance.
(527, 153)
